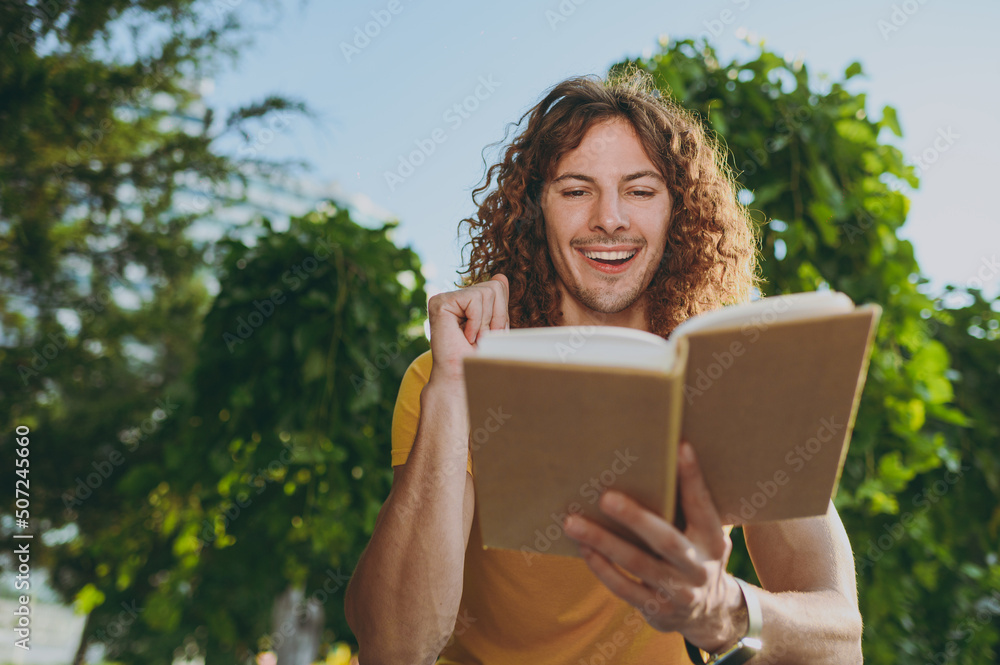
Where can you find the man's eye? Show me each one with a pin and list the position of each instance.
(574, 193)
(643, 194)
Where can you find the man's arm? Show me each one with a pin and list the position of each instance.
(403, 599)
(810, 605)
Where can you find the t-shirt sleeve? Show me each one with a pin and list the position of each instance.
(406, 415)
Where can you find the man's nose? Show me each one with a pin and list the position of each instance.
(610, 215)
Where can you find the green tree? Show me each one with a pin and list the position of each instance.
(277, 461)
(828, 190)
(107, 159)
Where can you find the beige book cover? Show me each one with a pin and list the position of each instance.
(766, 393)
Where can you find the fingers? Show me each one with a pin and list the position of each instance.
(661, 537)
(501, 319)
(704, 525)
(479, 307)
(633, 593)
(489, 304)
(485, 300)
(506, 285)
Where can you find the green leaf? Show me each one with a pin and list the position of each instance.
(890, 120)
(87, 598)
(855, 131)
(893, 472)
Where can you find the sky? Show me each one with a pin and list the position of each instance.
(384, 78)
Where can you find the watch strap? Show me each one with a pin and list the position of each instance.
(755, 617)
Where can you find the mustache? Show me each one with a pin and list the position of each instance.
(606, 242)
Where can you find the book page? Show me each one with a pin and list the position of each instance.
(581, 345)
(789, 307)
(615, 346)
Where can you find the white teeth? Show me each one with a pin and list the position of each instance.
(610, 256)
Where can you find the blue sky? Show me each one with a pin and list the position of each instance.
(379, 99)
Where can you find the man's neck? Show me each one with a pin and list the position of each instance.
(576, 314)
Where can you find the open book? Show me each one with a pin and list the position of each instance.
(766, 392)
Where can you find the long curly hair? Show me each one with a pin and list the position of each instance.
(710, 257)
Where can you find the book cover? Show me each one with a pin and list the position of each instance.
(768, 404)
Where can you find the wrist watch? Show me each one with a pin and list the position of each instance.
(748, 646)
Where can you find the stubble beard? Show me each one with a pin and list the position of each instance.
(603, 302)
(610, 300)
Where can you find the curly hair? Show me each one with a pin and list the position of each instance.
(710, 258)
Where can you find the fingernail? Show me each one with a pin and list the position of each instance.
(613, 502)
(572, 525)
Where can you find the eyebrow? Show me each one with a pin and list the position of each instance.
(625, 178)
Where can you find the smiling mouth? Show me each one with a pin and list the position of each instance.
(611, 258)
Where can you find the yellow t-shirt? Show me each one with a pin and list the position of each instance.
(549, 610)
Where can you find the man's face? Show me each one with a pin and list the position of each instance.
(606, 211)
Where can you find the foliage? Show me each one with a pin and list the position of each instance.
(192, 458)
(108, 160)
(829, 193)
(277, 468)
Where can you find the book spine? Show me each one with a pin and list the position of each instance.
(675, 405)
(875, 311)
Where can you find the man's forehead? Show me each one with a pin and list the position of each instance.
(626, 176)
(609, 147)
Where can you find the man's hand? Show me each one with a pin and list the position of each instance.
(686, 588)
(458, 317)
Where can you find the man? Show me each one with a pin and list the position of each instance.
(611, 206)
